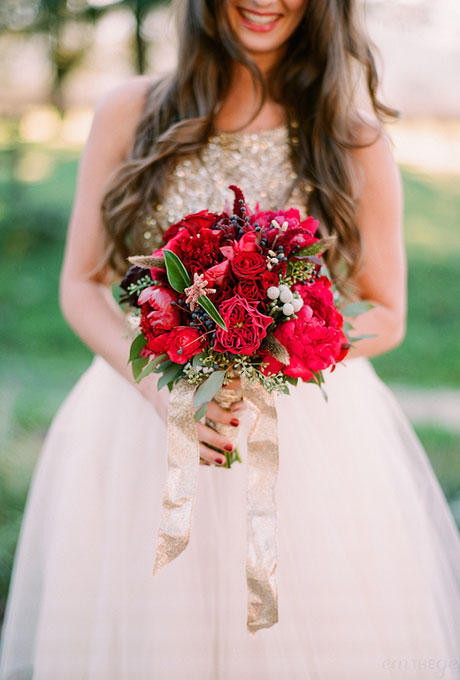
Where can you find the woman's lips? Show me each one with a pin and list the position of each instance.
(258, 21)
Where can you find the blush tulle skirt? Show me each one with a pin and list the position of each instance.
(369, 555)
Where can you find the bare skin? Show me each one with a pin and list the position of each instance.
(86, 302)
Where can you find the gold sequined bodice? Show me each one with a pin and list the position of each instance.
(258, 162)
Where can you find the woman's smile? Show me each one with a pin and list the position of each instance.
(264, 26)
(258, 21)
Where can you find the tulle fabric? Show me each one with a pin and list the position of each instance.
(369, 554)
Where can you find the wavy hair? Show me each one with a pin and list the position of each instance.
(315, 80)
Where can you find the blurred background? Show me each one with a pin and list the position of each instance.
(57, 57)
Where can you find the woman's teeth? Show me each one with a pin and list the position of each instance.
(260, 19)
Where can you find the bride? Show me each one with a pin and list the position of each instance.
(369, 555)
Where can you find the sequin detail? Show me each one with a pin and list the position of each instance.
(258, 162)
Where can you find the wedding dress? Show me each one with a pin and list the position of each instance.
(369, 555)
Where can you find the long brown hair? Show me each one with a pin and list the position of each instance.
(315, 80)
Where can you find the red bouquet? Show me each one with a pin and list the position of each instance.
(245, 293)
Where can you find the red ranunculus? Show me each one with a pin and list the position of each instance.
(184, 343)
(247, 327)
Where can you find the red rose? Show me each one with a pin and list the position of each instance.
(184, 343)
(249, 289)
(246, 326)
(248, 264)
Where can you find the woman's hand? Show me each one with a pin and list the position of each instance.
(209, 437)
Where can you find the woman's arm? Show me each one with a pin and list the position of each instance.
(383, 279)
(87, 304)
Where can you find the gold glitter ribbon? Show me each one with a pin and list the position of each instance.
(179, 496)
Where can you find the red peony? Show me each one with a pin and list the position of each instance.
(158, 317)
(193, 223)
(315, 339)
(184, 343)
(273, 365)
(247, 327)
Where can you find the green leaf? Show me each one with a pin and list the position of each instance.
(137, 365)
(170, 373)
(211, 309)
(137, 344)
(316, 248)
(363, 337)
(200, 412)
(151, 367)
(198, 359)
(356, 308)
(209, 388)
(177, 274)
(292, 380)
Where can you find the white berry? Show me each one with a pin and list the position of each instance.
(297, 303)
(283, 286)
(288, 309)
(273, 293)
(286, 295)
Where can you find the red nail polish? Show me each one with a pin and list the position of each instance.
(228, 447)
(235, 422)
(219, 461)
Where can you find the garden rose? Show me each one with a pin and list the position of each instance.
(247, 327)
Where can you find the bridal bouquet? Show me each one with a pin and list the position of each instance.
(234, 294)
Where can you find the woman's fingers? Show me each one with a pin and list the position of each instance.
(209, 436)
(221, 415)
(209, 456)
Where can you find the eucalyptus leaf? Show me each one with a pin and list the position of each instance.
(178, 276)
(137, 365)
(200, 412)
(151, 367)
(211, 309)
(170, 373)
(209, 388)
(137, 344)
(356, 308)
(197, 359)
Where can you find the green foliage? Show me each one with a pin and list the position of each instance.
(209, 388)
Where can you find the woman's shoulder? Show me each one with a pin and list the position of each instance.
(118, 111)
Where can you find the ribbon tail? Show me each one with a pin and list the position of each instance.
(262, 527)
(182, 476)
